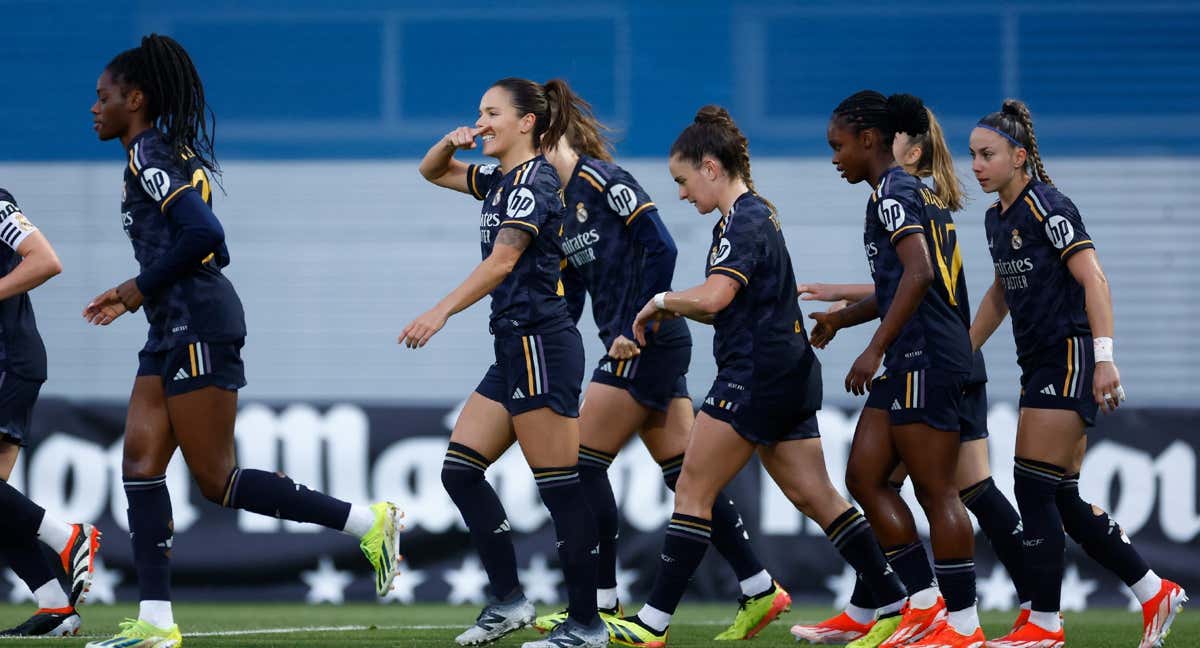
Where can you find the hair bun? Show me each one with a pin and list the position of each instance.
(713, 114)
(907, 114)
(1014, 107)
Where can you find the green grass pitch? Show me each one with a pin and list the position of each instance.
(259, 625)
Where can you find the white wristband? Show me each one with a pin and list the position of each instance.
(660, 301)
(1103, 347)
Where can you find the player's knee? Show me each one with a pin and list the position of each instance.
(860, 483)
(212, 484)
(457, 480)
(140, 468)
(693, 496)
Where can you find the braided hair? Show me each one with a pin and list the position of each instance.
(899, 113)
(713, 132)
(175, 103)
(1015, 122)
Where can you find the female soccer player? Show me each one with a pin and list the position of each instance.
(185, 394)
(531, 393)
(912, 412)
(768, 385)
(619, 252)
(1048, 277)
(926, 155)
(27, 260)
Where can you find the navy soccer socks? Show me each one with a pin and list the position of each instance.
(462, 476)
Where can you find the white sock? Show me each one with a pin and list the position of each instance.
(1026, 605)
(860, 614)
(1146, 588)
(889, 609)
(606, 598)
(156, 613)
(925, 599)
(964, 621)
(55, 533)
(50, 596)
(654, 618)
(1046, 620)
(757, 584)
(360, 520)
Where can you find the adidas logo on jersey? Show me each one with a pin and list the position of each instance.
(518, 394)
(181, 375)
(896, 404)
(1049, 389)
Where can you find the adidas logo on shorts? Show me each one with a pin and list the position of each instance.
(517, 394)
(181, 375)
(1049, 390)
(896, 404)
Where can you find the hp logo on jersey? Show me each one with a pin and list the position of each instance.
(621, 199)
(156, 182)
(891, 214)
(520, 203)
(1059, 231)
(720, 252)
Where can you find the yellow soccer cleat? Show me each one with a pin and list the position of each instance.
(139, 634)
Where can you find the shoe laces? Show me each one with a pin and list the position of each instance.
(130, 628)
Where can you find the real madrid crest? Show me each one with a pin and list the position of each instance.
(496, 198)
(1016, 239)
(581, 214)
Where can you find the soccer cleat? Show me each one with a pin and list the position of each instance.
(78, 561)
(136, 633)
(1030, 635)
(497, 620)
(879, 633)
(755, 612)
(59, 622)
(571, 634)
(381, 545)
(1022, 619)
(837, 630)
(548, 622)
(1159, 613)
(630, 631)
(915, 623)
(945, 636)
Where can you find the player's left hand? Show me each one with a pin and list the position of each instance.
(649, 313)
(419, 331)
(1106, 386)
(104, 308)
(130, 295)
(858, 381)
(623, 348)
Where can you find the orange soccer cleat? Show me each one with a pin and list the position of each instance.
(837, 630)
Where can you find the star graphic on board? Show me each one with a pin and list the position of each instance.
(625, 579)
(996, 592)
(19, 591)
(541, 582)
(1134, 604)
(1075, 590)
(404, 585)
(326, 583)
(104, 584)
(842, 585)
(466, 583)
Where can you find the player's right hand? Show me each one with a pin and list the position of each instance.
(462, 137)
(623, 348)
(825, 328)
(818, 292)
(104, 308)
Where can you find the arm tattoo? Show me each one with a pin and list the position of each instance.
(514, 238)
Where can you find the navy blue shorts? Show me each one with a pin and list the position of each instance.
(653, 378)
(536, 371)
(973, 413)
(17, 397)
(782, 409)
(194, 366)
(1060, 377)
(929, 396)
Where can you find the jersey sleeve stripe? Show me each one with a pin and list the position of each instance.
(169, 199)
(472, 185)
(1087, 242)
(637, 212)
(591, 181)
(730, 272)
(906, 228)
(595, 175)
(531, 226)
(1037, 199)
(1037, 213)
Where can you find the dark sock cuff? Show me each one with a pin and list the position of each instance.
(230, 486)
(143, 483)
(692, 528)
(555, 477)
(672, 466)
(460, 456)
(969, 494)
(898, 551)
(1039, 470)
(1069, 482)
(845, 526)
(591, 458)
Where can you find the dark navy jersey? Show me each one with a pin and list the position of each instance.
(760, 334)
(937, 335)
(617, 251)
(202, 305)
(527, 198)
(1030, 243)
(21, 348)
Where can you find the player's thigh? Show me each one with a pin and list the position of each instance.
(484, 426)
(8, 458)
(1049, 435)
(974, 463)
(1077, 460)
(798, 467)
(666, 433)
(608, 417)
(715, 453)
(203, 421)
(149, 439)
(547, 439)
(930, 454)
(873, 457)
